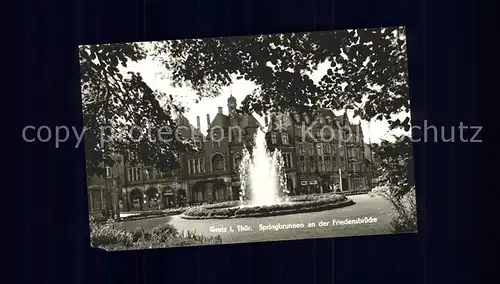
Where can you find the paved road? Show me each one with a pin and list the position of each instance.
(365, 206)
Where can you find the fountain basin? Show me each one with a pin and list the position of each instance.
(296, 204)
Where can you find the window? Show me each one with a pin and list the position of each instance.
(319, 148)
(287, 159)
(237, 162)
(134, 174)
(198, 142)
(202, 165)
(274, 138)
(196, 166)
(284, 138)
(321, 164)
(302, 149)
(217, 163)
(235, 135)
(109, 173)
(328, 163)
(327, 148)
(312, 164)
(216, 138)
(310, 147)
(303, 166)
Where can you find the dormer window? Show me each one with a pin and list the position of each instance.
(284, 138)
(216, 138)
(198, 142)
(274, 138)
(235, 135)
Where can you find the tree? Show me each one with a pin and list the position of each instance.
(396, 182)
(363, 63)
(118, 108)
(396, 165)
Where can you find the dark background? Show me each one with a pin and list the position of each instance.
(53, 207)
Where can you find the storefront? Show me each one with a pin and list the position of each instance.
(169, 200)
(314, 186)
(304, 187)
(309, 186)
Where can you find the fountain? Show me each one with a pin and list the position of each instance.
(263, 181)
(264, 190)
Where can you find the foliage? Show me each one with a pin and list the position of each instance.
(405, 207)
(396, 165)
(363, 62)
(114, 102)
(111, 237)
(298, 204)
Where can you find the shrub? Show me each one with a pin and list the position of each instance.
(109, 236)
(298, 204)
(404, 205)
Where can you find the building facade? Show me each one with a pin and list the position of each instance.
(314, 156)
(320, 149)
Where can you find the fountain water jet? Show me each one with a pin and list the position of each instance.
(262, 175)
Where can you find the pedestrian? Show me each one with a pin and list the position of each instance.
(335, 187)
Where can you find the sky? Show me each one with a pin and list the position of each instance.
(151, 71)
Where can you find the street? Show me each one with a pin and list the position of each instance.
(366, 206)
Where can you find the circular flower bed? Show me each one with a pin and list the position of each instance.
(297, 204)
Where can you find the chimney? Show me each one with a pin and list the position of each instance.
(208, 120)
(198, 124)
(219, 110)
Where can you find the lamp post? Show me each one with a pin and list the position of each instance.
(145, 196)
(227, 181)
(340, 148)
(116, 191)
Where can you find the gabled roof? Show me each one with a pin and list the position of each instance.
(223, 121)
(183, 121)
(252, 121)
(220, 120)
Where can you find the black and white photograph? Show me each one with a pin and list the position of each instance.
(210, 141)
